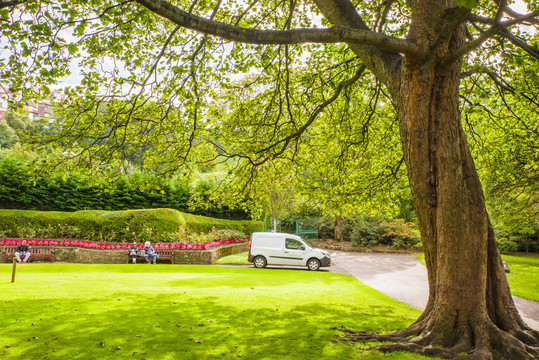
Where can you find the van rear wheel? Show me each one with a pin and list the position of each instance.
(260, 262)
(313, 264)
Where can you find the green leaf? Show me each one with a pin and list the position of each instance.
(469, 4)
(72, 48)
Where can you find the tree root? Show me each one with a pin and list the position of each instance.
(479, 341)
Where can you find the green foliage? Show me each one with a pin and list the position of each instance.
(326, 228)
(166, 225)
(469, 4)
(512, 242)
(504, 139)
(365, 231)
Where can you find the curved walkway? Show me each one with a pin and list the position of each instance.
(404, 278)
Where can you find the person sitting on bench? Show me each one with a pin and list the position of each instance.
(149, 252)
(133, 252)
(22, 250)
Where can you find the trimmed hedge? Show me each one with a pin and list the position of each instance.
(80, 191)
(128, 225)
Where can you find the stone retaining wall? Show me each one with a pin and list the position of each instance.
(92, 256)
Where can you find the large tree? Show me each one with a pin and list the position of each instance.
(174, 55)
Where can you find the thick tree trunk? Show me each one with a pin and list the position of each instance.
(470, 308)
(470, 305)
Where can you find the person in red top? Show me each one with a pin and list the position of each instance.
(22, 250)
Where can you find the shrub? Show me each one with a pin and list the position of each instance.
(401, 233)
(364, 230)
(506, 246)
(326, 227)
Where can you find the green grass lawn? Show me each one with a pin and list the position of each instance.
(523, 278)
(240, 258)
(62, 311)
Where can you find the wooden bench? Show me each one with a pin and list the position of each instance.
(164, 254)
(37, 251)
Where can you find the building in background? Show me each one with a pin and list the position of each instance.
(35, 109)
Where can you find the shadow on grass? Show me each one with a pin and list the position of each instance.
(151, 327)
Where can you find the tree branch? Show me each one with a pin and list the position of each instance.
(335, 34)
(511, 13)
(380, 22)
(13, 3)
(486, 35)
(316, 112)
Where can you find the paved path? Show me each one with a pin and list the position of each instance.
(404, 278)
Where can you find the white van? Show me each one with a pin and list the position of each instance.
(285, 249)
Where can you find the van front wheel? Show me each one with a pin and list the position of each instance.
(313, 264)
(259, 262)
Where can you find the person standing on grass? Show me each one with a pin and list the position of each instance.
(149, 252)
(133, 252)
(22, 250)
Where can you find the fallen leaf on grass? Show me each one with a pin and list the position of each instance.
(7, 346)
(138, 335)
(198, 341)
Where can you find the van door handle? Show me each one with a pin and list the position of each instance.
(286, 252)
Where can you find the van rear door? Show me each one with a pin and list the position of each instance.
(271, 247)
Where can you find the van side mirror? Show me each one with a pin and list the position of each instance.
(302, 247)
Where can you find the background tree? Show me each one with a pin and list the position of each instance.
(418, 52)
(8, 136)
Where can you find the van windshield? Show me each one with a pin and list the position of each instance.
(307, 243)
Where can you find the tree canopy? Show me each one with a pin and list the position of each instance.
(254, 82)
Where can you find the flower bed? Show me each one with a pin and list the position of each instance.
(120, 246)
